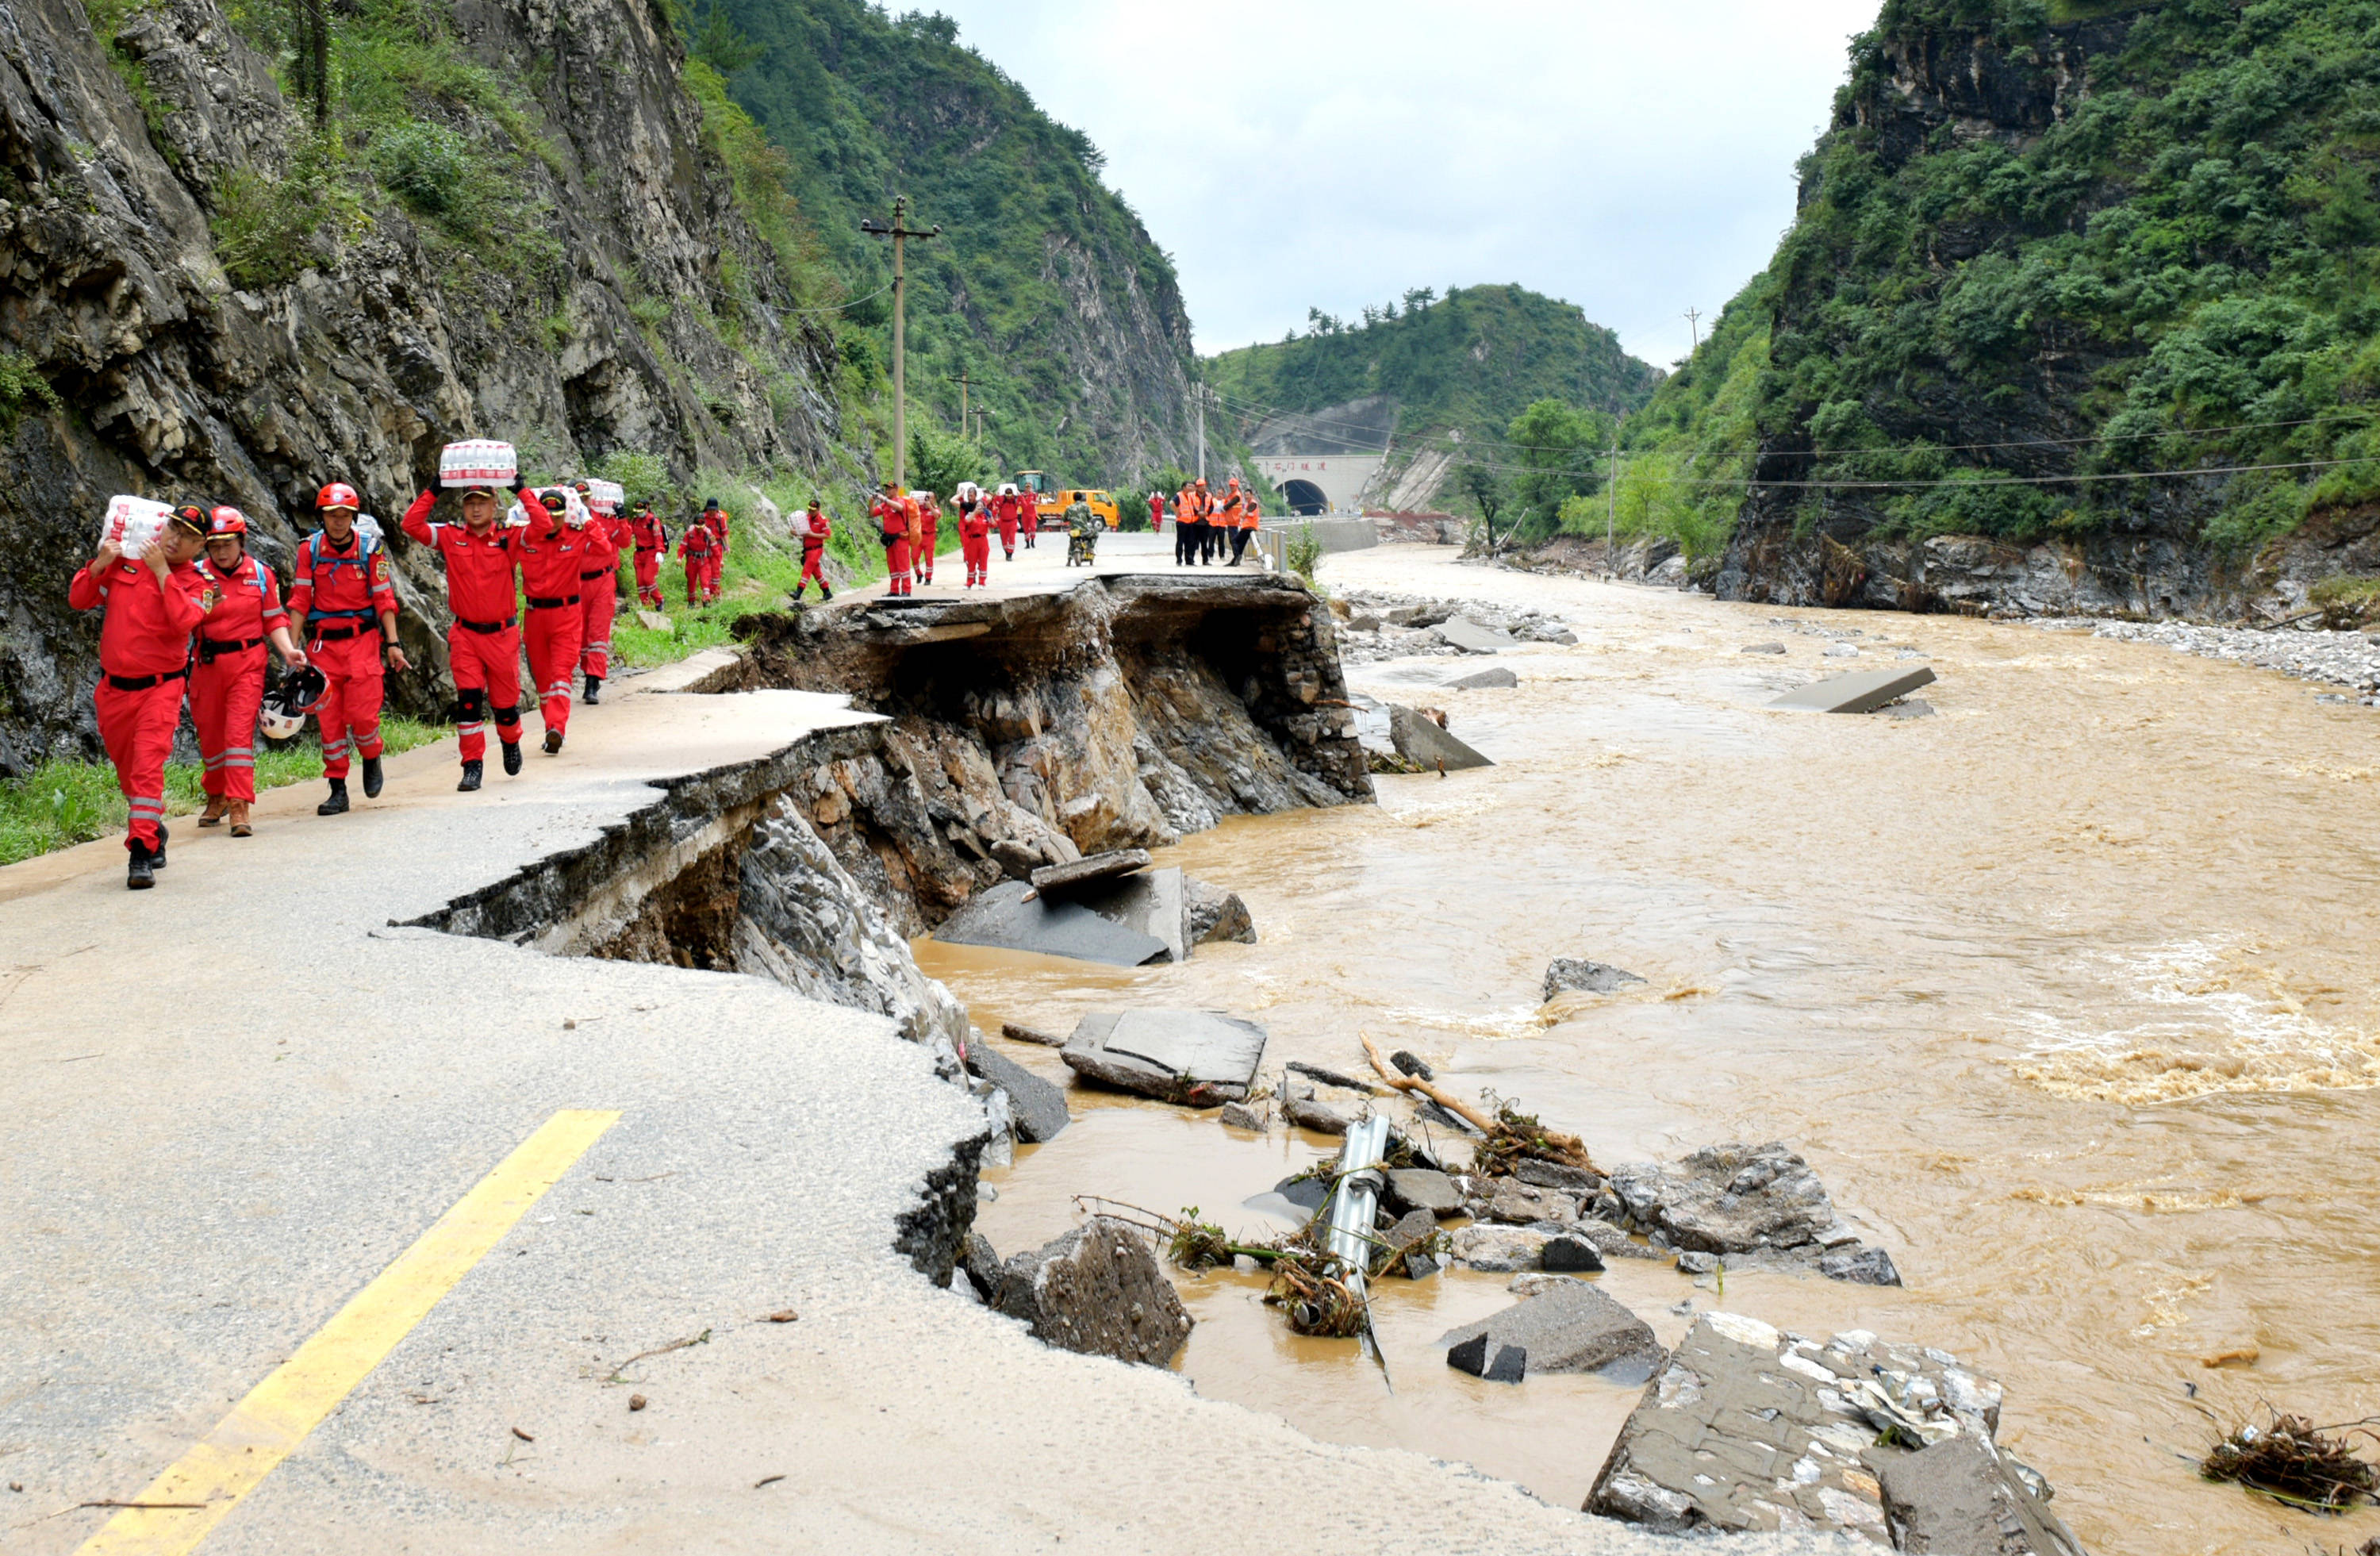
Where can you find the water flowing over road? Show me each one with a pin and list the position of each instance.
(2066, 992)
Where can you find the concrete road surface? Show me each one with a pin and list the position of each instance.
(257, 1150)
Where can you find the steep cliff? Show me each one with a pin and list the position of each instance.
(1043, 288)
(2048, 249)
(512, 222)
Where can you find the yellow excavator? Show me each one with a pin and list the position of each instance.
(1051, 501)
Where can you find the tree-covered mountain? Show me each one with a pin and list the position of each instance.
(1445, 375)
(2046, 250)
(1043, 288)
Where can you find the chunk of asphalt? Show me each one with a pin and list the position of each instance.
(1039, 1106)
(1495, 677)
(1405, 1060)
(1862, 692)
(1307, 1194)
(1199, 1058)
(1508, 1364)
(1320, 1117)
(1568, 1254)
(1010, 917)
(1425, 741)
(1418, 1189)
(1090, 868)
(1333, 1078)
(1473, 637)
(1016, 1032)
(1573, 1327)
(1149, 902)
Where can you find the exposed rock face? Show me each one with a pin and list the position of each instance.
(1099, 1289)
(174, 383)
(1749, 1429)
(1029, 732)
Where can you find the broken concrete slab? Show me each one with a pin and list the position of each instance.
(1576, 974)
(1307, 1114)
(1306, 1193)
(1211, 914)
(1418, 1189)
(1483, 1358)
(1010, 917)
(1424, 740)
(1729, 1200)
(1239, 1116)
(1747, 1429)
(1493, 678)
(1520, 1203)
(1056, 879)
(1963, 1495)
(1569, 1326)
(1332, 1078)
(980, 1263)
(1037, 1106)
(1863, 692)
(1099, 1289)
(1016, 1032)
(1149, 903)
(1201, 1059)
(1576, 1182)
(1414, 1232)
(1474, 637)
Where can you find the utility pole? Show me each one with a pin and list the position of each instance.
(1202, 431)
(962, 380)
(899, 231)
(1695, 322)
(1611, 505)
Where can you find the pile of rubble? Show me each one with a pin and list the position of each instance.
(2341, 659)
(1375, 626)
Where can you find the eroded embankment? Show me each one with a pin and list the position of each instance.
(1013, 734)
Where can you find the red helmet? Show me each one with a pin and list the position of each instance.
(227, 521)
(338, 494)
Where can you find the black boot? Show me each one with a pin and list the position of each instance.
(371, 778)
(337, 804)
(470, 778)
(157, 854)
(138, 874)
(512, 757)
(824, 592)
(594, 690)
(552, 741)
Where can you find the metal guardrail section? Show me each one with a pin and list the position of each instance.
(1355, 1201)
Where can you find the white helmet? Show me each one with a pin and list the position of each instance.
(284, 712)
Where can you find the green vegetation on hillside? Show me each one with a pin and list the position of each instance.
(1466, 363)
(1681, 471)
(2172, 270)
(865, 106)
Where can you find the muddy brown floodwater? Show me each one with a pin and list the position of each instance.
(2069, 994)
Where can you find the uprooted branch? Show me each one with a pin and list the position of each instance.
(1509, 1133)
(2293, 1461)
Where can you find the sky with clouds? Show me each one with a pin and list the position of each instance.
(1636, 160)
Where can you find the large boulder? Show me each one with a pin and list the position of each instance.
(1749, 1429)
(1568, 974)
(1569, 1326)
(1099, 1289)
(1037, 1107)
(1211, 914)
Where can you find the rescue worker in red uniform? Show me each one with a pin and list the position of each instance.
(227, 674)
(1003, 508)
(152, 606)
(694, 548)
(552, 553)
(894, 514)
(483, 644)
(924, 535)
(344, 608)
(653, 544)
(599, 596)
(1156, 512)
(975, 540)
(813, 531)
(715, 518)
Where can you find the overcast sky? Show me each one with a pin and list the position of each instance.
(1636, 160)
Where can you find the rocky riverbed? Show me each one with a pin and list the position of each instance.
(2342, 658)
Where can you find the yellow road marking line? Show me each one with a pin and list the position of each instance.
(267, 1426)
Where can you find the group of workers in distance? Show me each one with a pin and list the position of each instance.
(1206, 524)
(909, 525)
(193, 615)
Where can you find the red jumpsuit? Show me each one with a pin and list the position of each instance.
(894, 515)
(814, 531)
(483, 644)
(715, 519)
(975, 541)
(599, 592)
(696, 547)
(1003, 508)
(340, 592)
(227, 677)
(653, 544)
(923, 537)
(551, 562)
(1156, 512)
(145, 652)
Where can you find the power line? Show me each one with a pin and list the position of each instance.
(1935, 482)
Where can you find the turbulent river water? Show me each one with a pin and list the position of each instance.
(2067, 992)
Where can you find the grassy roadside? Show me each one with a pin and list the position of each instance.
(66, 800)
